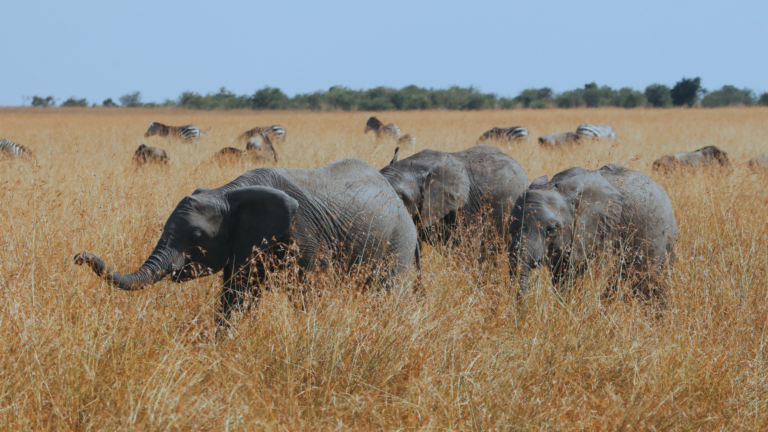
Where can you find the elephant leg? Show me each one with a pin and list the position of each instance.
(233, 294)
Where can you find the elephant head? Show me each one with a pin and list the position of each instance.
(208, 231)
(431, 189)
(562, 222)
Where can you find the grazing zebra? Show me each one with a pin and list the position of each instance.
(406, 139)
(260, 147)
(12, 150)
(559, 139)
(274, 132)
(380, 129)
(229, 153)
(596, 131)
(759, 163)
(146, 155)
(187, 133)
(702, 157)
(514, 133)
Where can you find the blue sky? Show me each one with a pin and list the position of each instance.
(97, 49)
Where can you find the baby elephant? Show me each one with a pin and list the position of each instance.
(150, 155)
(707, 156)
(438, 187)
(566, 222)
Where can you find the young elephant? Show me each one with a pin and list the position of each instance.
(702, 157)
(436, 186)
(342, 214)
(573, 218)
(145, 155)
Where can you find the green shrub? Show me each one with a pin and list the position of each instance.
(570, 99)
(38, 101)
(631, 98)
(74, 102)
(108, 102)
(686, 92)
(729, 95)
(269, 98)
(131, 100)
(658, 95)
(763, 99)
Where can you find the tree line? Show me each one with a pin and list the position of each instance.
(686, 92)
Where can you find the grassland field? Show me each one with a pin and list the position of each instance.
(76, 354)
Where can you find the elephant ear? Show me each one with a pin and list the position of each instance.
(446, 190)
(260, 216)
(596, 208)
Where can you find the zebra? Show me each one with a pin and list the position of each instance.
(12, 150)
(406, 139)
(229, 153)
(759, 163)
(596, 131)
(706, 156)
(380, 129)
(146, 155)
(187, 133)
(274, 132)
(260, 147)
(514, 133)
(559, 139)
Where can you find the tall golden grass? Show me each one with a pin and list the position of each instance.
(76, 354)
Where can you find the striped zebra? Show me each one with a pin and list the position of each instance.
(514, 133)
(228, 153)
(561, 139)
(12, 150)
(703, 157)
(274, 132)
(260, 147)
(380, 129)
(187, 133)
(406, 139)
(145, 155)
(596, 131)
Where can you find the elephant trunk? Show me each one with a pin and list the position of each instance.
(530, 255)
(160, 263)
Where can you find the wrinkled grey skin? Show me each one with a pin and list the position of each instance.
(700, 158)
(759, 163)
(580, 214)
(562, 139)
(342, 214)
(435, 186)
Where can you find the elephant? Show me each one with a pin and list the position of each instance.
(436, 186)
(569, 220)
(705, 156)
(344, 214)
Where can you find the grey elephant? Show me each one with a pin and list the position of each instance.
(438, 186)
(343, 214)
(578, 215)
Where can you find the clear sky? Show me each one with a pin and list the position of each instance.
(100, 49)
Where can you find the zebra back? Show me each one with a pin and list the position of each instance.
(516, 133)
(390, 130)
(12, 149)
(596, 131)
(188, 132)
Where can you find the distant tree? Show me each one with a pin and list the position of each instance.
(536, 98)
(686, 92)
(74, 102)
(763, 99)
(38, 101)
(591, 95)
(658, 95)
(131, 100)
(108, 102)
(269, 98)
(631, 98)
(729, 95)
(570, 99)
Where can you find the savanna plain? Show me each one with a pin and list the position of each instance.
(76, 354)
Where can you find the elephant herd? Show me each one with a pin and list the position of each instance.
(350, 216)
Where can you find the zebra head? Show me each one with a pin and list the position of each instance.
(372, 124)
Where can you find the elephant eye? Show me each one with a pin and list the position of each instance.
(552, 227)
(195, 236)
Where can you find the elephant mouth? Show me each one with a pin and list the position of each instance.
(189, 271)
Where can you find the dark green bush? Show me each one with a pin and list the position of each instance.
(658, 95)
(729, 95)
(131, 100)
(74, 102)
(570, 99)
(763, 99)
(108, 102)
(686, 92)
(38, 101)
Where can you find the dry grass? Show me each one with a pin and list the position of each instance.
(76, 354)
